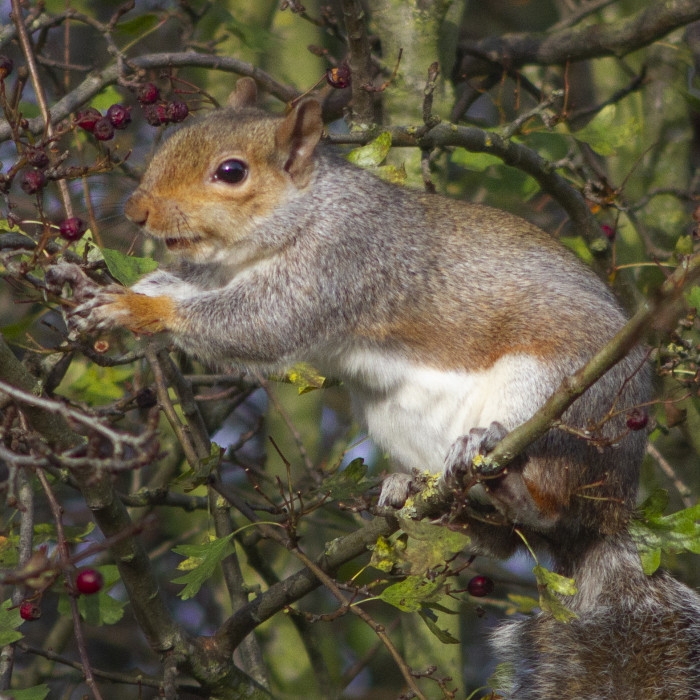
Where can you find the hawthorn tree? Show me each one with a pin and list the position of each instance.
(171, 531)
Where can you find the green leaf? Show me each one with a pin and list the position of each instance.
(347, 483)
(10, 620)
(608, 131)
(106, 98)
(305, 377)
(127, 268)
(138, 25)
(410, 594)
(522, 604)
(549, 584)
(37, 692)
(373, 154)
(655, 533)
(201, 561)
(100, 384)
(693, 297)
(386, 554)
(429, 545)
(431, 621)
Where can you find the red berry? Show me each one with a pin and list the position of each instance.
(147, 94)
(36, 156)
(156, 114)
(89, 581)
(339, 77)
(73, 228)
(177, 111)
(6, 66)
(29, 611)
(87, 118)
(32, 181)
(480, 586)
(609, 231)
(119, 116)
(637, 419)
(103, 130)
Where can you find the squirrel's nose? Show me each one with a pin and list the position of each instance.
(136, 208)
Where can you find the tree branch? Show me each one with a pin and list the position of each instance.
(581, 42)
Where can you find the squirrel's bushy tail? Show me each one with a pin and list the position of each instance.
(635, 636)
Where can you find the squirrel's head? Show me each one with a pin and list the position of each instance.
(212, 182)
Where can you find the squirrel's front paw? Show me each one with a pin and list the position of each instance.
(462, 455)
(395, 490)
(103, 311)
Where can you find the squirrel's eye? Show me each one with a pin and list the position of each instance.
(232, 171)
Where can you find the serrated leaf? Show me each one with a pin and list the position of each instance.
(429, 545)
(410, 594)
(36, 692)
(554, 582)
(347, 483)
(305, 377)
(373, 154)
(10, 620)
(655, 533)
(200, 563)
(443, 635)
(549, 584)
(608, 131)
(127, 268)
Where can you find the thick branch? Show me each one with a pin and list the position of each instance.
(581, 42)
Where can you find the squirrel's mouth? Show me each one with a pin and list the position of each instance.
(181, 243)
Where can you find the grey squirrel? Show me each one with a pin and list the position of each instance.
(449, 323)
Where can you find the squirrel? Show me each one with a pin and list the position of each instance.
(450, 324)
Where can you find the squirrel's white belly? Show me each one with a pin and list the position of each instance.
(415, 412)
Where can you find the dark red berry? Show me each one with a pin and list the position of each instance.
(480, 586)
(609, 231)
(178, 111)
(119, 115)
(6, 66)
(87, 118)
(89, 581)
(32, 181)
(156, 114)
(29, 610)
(146, 398)
(147, 94)
(36, 156)
(637, 419)
(103, 130)
(72, 229)
(339, 77)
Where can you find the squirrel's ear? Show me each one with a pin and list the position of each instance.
(245, 94)
(296, 139)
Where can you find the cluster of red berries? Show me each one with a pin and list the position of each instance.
(158, 111)
(102, 127)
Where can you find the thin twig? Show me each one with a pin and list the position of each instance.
(64, 556)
